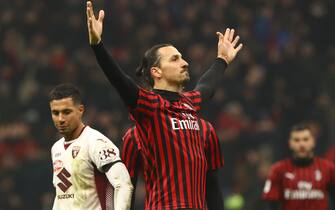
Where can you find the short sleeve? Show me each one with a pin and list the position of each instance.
(195, 98)
(213, 150)
(272, 189)
(102, 151)
(130, 152)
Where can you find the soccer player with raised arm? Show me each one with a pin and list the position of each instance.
(132, 159)
(87, 170)
(166, 117)
(303, 181)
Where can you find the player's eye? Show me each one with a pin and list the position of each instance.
(67, 111)
(174, 58)
(55, 113)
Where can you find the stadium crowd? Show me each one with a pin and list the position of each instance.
(284, 74)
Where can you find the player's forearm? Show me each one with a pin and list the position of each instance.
(125, 86)
(123, 196)
(213, 193)
(119, 177)
(210, 80)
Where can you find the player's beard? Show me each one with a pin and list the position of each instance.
(186, 78)
(65, 131)
(304, 153)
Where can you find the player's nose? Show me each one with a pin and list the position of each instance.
(61, 118)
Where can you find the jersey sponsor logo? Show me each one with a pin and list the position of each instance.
(106, 153)
(75, 151)
(305, 191)
(318, 175)
(58, 165)
(289, 175)
(191, 123)
(303, 185)
(65, 196)
(64, 177)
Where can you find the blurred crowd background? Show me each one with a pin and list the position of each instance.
(284, 74)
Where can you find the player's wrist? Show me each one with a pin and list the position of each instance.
(224, 58)
(95, 42)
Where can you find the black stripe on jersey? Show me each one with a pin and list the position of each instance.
(157, 136)
(147, 160)
(149, 99)
(147, 93)
(144, 140)
(165, 155)
(186, 167)
(133, 152)
(203, 167)
(199, 169)
(175, 159)
(191, 153)
(192, 94)
(145, 107)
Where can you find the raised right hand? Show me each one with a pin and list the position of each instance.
(94, 25)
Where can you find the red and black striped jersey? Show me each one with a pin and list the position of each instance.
(300, 187)
(130, 153)
(172, 150)
(212, 145)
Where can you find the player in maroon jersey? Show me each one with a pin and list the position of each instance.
(167, 118)
(303, 181)
(132, 159)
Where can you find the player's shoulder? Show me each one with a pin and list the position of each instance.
(93, 135)
(281, 165)
(59, 143)
(192, 93)
(129, 134)
(324, 162)
(146, 92)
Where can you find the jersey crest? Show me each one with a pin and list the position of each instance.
(75, 151)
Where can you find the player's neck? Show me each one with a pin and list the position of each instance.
(173, 88)
(76, 133)
(168, 95)
(303, 162)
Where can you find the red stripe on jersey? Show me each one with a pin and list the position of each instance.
(195, 98)
(147, 103)
(212, 145)
(130, 152)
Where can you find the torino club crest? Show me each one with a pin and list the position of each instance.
(75, 151)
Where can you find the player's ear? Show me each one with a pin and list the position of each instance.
(156, 72)
(81, 109)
